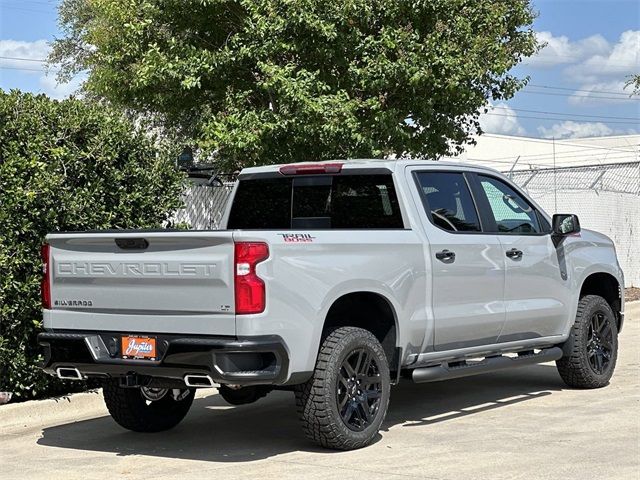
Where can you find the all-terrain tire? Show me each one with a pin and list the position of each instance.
(244, 395)
(575, 367)
(132, 411)
(317, 399)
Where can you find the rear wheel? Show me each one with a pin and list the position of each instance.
(146, 409)
(343, 405)
(592, 348)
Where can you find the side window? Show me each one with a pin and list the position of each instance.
(347, 202)
(449, 201)
(316, 202)
(365, 201)
(261, 204)
(512, 213)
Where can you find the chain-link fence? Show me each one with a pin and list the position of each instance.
(204, 202)
(606, 198)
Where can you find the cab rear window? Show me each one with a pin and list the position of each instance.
(316, 202)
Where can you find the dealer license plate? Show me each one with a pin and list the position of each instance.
(138, 348)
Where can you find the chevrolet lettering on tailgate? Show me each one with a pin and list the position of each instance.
(135, 269)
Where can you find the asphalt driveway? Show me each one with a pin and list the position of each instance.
(519, 424)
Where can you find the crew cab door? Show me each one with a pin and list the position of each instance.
(467, 265)
(537, 294)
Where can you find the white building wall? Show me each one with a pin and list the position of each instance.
(617, 215)
(501, 151)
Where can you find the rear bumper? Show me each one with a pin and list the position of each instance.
(261, 360)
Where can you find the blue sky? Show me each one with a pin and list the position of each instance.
(575, 90)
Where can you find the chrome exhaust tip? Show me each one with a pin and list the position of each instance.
(68, 373)
(199, 381)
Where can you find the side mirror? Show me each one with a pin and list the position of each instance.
(565, 224)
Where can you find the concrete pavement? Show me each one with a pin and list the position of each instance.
(520, 424)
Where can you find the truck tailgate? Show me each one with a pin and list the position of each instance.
(147, 282)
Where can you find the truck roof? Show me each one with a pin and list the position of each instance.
(364, 163)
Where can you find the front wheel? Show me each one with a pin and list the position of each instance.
(344, 404)
(146, 409)
(591, 351)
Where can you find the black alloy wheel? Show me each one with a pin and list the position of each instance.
(599, 343)
(359, 389)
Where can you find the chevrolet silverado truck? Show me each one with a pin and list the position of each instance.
(334, 280)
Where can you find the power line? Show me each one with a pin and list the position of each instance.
(565, 114)
(590, 97)
(540, 162)
(31, 10)
(581, 158)
(567, 153)
(559, 119)
(3, 67)
(550, 87)
(576, 89)
(561, 161)
(49, 4)
(554, 63)
(566, 158)
(39, 60)
(564, 142)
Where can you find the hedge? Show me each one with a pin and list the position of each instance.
(65, 165)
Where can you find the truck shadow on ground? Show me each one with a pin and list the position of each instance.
(214, 431)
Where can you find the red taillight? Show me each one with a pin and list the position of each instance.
(250, 291)
(311, 168)
(45, 283)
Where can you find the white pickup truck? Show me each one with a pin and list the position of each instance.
(334, 280)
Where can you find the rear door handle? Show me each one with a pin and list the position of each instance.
(446, 255)
(514, 253)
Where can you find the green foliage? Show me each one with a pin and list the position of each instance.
(634, 83)
(266, 81)
(68, 165)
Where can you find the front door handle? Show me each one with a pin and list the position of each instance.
(446, 255)
(514, 253)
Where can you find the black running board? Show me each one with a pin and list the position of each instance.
(489, 364)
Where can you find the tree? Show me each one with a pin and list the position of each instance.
(265, 81)
(67, 165)
(634, 83)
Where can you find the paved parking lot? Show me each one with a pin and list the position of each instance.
(512, 425)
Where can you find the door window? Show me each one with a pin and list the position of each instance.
(511, 212)
(448, 201)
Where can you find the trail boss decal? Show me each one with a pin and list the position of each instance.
(297, 237)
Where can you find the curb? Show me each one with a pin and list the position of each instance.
(631, 308)
(18, 417)
(38, 413)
